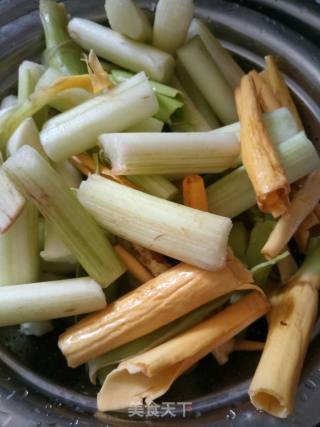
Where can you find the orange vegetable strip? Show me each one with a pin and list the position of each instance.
(194, 193)
(266, 98)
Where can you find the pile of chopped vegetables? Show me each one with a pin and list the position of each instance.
(143, 152)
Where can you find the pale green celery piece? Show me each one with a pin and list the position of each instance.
(167, 107)
(49, 300)
(154, 338)
(170, 152)
(28, 76)
(55, 250)
(77, 130)
(69, 173)
(26, 134)
(120, 50)
(148, 125)
(171, 22)
(37, 329)
(161, 225)
(44, 186)
(61, 52)
(209, 79)
(228, 66)
(12, 201)
(280, 125)
(19, 249)
(127, 18)
(188, 118)
(196, 96)
(9, 102)
(65, 100)
(156, 185)
(166, 95)
(260, 272)
(234, 194)
(258, 237)
(238, 240)
(121, 76)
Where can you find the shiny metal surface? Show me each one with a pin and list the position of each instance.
(41, 389)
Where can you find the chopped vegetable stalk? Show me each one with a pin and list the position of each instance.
(69, 173)
(145, 377)
(303, 203)
(279, 124)
(155, 338)
(148, 125)
(166, 227)
(55, 250)
(167, 107)
(196, 96)
(280, 89)
(153, 261)
(121, 76)
(43, 185)
(61, 52)
(26, 133)
(171, 23)
(293, 314)
(168, 153)
(238, 240)
(77, 130)
(194, 193)
(233, 194)
(120, 50)
(265, 96)
(199, 64)
(37, 329)
(11, 202)
(9, 123)
(156, 185)
(65, 100)
(127, 18)
(188, 119)
(183, 287)
(166, 95)
(259, 156)
(29, 75)
(19, 249)
(134, 267)
(49, 300)
(228, 67)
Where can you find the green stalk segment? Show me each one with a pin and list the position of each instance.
(209, 79)
(44, 186)
(61, 53)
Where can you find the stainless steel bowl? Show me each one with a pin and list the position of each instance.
(35, 384)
